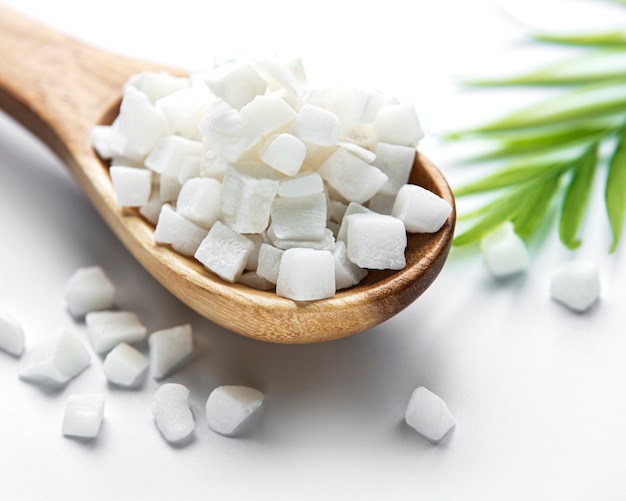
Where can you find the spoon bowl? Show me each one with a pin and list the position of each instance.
(59, 88)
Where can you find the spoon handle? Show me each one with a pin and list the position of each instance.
(54, 85)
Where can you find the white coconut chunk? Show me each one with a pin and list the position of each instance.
(363, 153)
(353, 105)
(277, 74)
(190, 167)
(171, 412)
(254, 280)
(83, 415)
(132, 185)
(183, 235)
(247, 195)
(306, 274)
(226, 136)
(185, 109)
(382, 203)
(316, 125)
(327, 242)
(269, 262)
(347, 274)
(257, 240)
(237, 84)
(504, 251)
(102, 140)
(299, 218)
(337, 210)
(89, 289)
(285, 153)
(576, 284)
(396, 161)
(428, 414)
(398, 124)
(157, 85)
(169, 188)
(169, 349)
(125, 366)
(200, 202)
(11, 334)
(225, 252)
(354, 179)
(351, 208)
(297, 69)
(169, 152)
(55, 360)
(152, 209)
(265, 114)
(376, 241)
(308, 183)
(109, 328)
(229, 406)
(140, 123)
(420, 210)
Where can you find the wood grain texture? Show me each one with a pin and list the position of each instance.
(59, 88)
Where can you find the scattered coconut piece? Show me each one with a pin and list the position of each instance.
(83, 415)
(109, 328)
(171, 412)
(428, 414)
(89, 289)
(11, 334)
(576, 284)
(125, 366)
(504, 251)
(169, 349)
(55, 360)
(420, 210)
(229, 406)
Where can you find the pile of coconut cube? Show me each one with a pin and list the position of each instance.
(267, 181)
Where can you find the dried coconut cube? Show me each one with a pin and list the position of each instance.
(169, 349)
(169, 152)
(308, 183)
(316, 125)
(11, 334)
(277, 74)
(225, 252)
(132, 185)
(353, 178)
(125, 366)
(248, 191)
(396, 161)
(353, 105)
(190, 168)
(347, 274)
(306, 274)
(265, 114)
(351, 208)
(576, 284)
(139, 123)
(285, 153)
(200, 201)
(363, 153)
(109, 328)
(156, 85)
(398, 124)
(55, 360)
(269, 262)
(229, 406)
(428, 414)
(151, 210)
(382, 203)
(183, 235)
(169, 188)
(185, 109)
(376, 241)
(89, 289)
(299, 218)
(225, 136)
(83, 415)
(254, 280)
(504, 251)
(237, 84)
(171, 412)
(257, 240)
(420, 210)
(101, 137)
(327, 242)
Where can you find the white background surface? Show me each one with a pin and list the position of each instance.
(539, 393)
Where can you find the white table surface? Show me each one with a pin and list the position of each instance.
(538, 392)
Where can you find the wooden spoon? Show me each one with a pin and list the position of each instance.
(58, 88)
